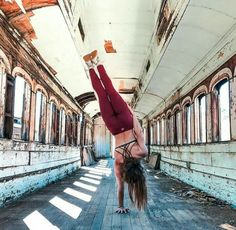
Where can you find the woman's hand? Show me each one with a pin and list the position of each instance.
(122, 210)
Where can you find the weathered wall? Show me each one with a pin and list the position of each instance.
(25, 167)
(102, 139)
(209, 167)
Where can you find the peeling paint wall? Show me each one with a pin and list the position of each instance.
(28, 166)
(25, 167)
(209, 167)
(102, 139)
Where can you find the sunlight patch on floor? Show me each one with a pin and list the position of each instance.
(85, 186)
(68, 208)
(77, 194)
(96, 173)
(93, 176)
(92, 181)
(227, 227)
(36, 220)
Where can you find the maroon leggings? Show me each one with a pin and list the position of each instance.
(114, 110)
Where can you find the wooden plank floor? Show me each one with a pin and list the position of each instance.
(87, 200)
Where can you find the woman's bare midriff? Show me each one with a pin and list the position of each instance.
(124, 137)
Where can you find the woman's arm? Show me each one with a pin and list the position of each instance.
(138, 133)
(120, 188)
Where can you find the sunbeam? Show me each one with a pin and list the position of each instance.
(92, 181)
(77, 194)
(96, 173)
(85, 186)
(227, 227)
(93, 176)
(66, 207)
(36, 219)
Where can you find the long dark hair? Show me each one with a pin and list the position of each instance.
(133, 174)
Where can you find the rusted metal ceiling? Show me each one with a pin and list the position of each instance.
(21, 20)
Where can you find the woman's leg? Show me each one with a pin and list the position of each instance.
(118, 104)
(104, 103)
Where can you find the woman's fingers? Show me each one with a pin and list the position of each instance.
(122, 210)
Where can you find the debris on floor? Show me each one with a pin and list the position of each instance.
(198, 195)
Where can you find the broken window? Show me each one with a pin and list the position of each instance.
(3, 82)
(54, 124)
(187, 124)
(40, 117)
(62, 126)
(200, 118)
(220, 111)
(177, 128)
(21, 109)
(9, 109)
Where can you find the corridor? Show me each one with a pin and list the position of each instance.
(87, 200)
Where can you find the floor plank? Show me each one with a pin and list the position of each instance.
(87, 199)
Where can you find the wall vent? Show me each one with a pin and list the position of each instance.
(148, 65)
(81, 29)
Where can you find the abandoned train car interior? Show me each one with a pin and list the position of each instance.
(172, 61)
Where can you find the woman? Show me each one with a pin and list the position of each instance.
(129, 139)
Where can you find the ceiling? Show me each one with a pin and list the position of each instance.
(197, 34)
(131, 26)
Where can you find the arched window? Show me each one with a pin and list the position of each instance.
(159, 132)
(187, 124)
(69, 127)
(40, 117)
(54, 124)
(152, 133)
(177, 128)
(163, 131)
(88, 134)
(6, 101)
(145, 135)
(220, 111)
(200, 118)
(21, 109)
(155, 132)
(75, 129)
(62, 126)
(168, 129)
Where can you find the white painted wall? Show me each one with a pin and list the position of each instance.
(210, 167)
(25, 167)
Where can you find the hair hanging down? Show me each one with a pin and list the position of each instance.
(134, 176)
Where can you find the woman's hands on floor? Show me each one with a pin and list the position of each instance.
(122, 210)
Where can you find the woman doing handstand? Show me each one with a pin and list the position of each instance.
(129, 139)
